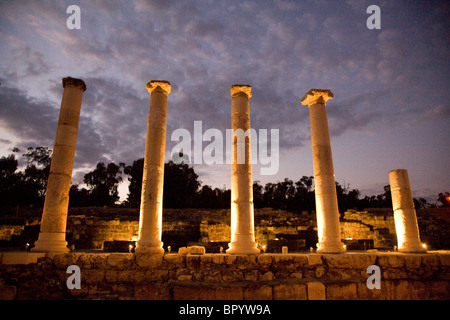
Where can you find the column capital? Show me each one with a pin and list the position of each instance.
(244, 88)
(73, 82)
(314, 96)
(163, 85)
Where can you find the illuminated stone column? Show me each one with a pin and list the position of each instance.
(150, 221)
(242, 229)
(52, 235)
(325, 188)
(406, 226)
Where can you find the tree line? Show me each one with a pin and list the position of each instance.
(182, 188)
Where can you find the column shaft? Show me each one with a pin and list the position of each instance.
(150, 221)
(327, 210)
(407, 229)
(242, 221)
(54, 217)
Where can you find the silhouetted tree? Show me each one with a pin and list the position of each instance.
(444, 199)
(135, 172)
(304, 199)
(258, 195)
(103, 182)
(9, 180)
(180, 185)
(79, 197)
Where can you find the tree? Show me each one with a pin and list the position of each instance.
(180, 185)
(444, 199)
(258, 197)
(8, 180)
(103, 182)
(135, 171)
(79, 197)
(36, 173)
(304, 199)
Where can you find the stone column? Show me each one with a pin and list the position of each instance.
(52, 235)
(325, 188)
(242, 229)
(406, 226)
(150, 221)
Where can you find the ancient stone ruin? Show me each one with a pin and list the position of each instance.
(244, 271)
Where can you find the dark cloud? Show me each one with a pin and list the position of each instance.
(25, 117)
(380, 78)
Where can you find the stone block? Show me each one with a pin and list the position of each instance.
(193, 293)
(230, 259)
(91, 276)
(296, 275)
(197, 250)
(413, 261)
(292, 291)
(21, 257)
(439, 290)
(445, 259)
(175, 260)
(419, 290)
(262, 292)
(66, 259)
(151, 292)
(264, 259)
(402, 290)
(281, 258)
(149, 260)
(316, 291)
(314, 259)
(7, 292)
(267, 276)
(206, 259)
(229, 293)
(341, 291)
(193, 261)
(251, 275)
(395, 260)
(431, 260)
(218, 258)
(299, 259)
(184, 277)
(120, 260)
(364, 293)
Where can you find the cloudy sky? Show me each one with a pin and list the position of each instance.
(390, 109)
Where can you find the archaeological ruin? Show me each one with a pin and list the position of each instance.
(236, 254)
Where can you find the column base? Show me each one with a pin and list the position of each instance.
(147, 247)
(413, 248)
(51, 243)
(243, 248)
(324, 247)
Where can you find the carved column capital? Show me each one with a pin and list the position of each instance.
(241, 88)
(159, 85)
(314, 96)
(73, 82)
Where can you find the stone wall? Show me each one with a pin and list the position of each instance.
(89, 228)
(377, 225)
(8, 231)
(227, 277)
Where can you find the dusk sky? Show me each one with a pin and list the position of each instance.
(390, 109)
